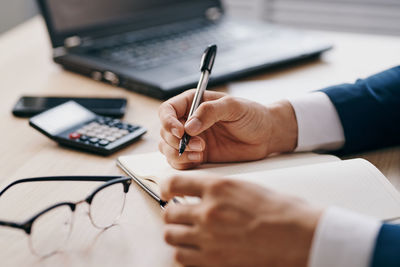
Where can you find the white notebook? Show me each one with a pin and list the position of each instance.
(320, 179)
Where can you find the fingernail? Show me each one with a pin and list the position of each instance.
(193, 156)
(195, 145)
(193, 125)
(175, 132)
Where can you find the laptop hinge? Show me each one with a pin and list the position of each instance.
(59, 51)
(76, 42)
(72, 42)
(213, 13)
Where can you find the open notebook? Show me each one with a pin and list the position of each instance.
(320, 179)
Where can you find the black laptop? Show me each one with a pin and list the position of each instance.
(154, 46)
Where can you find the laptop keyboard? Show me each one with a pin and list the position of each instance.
(153, 52)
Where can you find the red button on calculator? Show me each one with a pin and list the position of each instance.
(74, 136)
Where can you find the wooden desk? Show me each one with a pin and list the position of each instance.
(26, 68)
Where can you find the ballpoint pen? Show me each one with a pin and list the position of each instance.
(207, 63)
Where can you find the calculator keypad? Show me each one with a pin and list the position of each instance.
(103, 131)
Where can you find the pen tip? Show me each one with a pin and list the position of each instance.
(182, 145)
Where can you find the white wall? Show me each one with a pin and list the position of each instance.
(13, 12)
(372, 16)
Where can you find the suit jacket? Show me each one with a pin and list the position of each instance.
(369, 111)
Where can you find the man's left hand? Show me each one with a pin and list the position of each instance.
(237, 224)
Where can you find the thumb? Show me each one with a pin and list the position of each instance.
(210, 112)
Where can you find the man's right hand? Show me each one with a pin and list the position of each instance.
(225, 129)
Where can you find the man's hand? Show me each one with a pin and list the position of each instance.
(225, 129)
(237, 224)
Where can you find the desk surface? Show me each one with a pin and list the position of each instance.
(26, 69)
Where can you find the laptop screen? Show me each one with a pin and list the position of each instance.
(74, 14)
(66, 18)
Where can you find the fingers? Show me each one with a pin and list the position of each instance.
(208, 113)
(187, 160)
(182, 186)
(182, 214)
(180, 235)
(189, 256)
(172, 114)
(182, 103)
(196, 144)
(193, 156)
(178, 107)
(169, 120)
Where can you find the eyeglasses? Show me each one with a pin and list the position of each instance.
(49, 230)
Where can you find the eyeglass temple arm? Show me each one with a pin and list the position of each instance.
(13, 225)
(61, 178)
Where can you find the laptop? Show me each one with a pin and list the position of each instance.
(154, 47)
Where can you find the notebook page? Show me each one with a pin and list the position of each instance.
(353, 184)
(155, 167)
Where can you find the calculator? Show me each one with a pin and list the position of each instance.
(71, 124)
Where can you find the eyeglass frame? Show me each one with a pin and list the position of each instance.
(109, 180)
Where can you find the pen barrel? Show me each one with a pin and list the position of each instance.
(201, 87)
(206, 67)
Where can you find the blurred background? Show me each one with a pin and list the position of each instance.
(366, 16)
(13, 12)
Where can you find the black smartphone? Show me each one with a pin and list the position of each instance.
(28, 106)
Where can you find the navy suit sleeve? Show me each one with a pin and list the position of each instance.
(387, 248)
(369, 111)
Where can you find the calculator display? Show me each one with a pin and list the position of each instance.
(63, 117)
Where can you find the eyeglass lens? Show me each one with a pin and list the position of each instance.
(107, 206)
(51, 231)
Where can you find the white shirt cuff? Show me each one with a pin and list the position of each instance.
(319, 125)
(344, 239)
